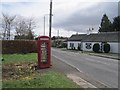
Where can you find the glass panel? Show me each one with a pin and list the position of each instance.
(44, 52)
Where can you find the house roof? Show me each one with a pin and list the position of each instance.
(96, 37)
(77, 37)
(102, 37)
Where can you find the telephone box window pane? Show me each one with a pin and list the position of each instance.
(44, 52)
(44, 38)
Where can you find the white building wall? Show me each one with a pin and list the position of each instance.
(84, 46)
(114, 47)
(75, 44)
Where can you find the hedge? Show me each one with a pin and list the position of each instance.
(106, 48)
(19, 46)
(96, 47)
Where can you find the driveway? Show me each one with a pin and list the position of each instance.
(99, 69)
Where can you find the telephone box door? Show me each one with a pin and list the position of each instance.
(43, 51)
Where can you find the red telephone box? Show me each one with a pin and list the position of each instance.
(43, 52)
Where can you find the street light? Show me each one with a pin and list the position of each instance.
(44, 21)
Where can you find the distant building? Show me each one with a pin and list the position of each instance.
(75, 40)
(86, 42)
(59, 41)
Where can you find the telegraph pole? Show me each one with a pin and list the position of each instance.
(50, 19)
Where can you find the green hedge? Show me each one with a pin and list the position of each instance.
(19, 46)
(96, 47)
(106, 48)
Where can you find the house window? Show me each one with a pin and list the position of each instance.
(88, 45)
(72, 45)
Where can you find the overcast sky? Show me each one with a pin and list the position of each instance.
(69, 16)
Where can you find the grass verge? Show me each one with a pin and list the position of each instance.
(46, 80)
(18, 58)
(19, 72)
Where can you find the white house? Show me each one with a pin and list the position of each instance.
(75, 40)
(86, 42)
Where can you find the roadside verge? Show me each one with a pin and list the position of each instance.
(105, 56)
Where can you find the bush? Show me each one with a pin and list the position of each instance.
(18, 46)
(106, 48)
(74, 48)
(64, 45)
(53, 44)
(96, 48)
(78, 48)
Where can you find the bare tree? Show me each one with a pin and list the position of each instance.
(31, 23)
(24, 27)
(21, 26)
(1, 31)
(7, 24)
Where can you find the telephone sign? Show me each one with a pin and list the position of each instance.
(43, 51)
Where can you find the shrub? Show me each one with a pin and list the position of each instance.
(106, 48)
(74, 48)
(78, 48)
(53, 44)
(18, 46)
(64, 45)
(96, 47)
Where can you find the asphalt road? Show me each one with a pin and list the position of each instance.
(101, 69)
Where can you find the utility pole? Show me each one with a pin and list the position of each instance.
(50, 19)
